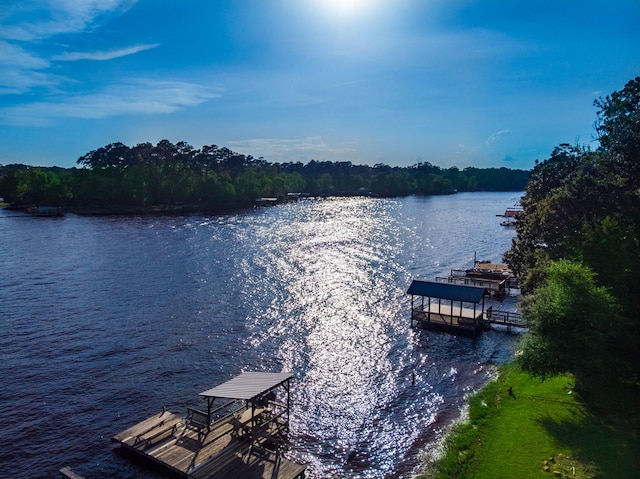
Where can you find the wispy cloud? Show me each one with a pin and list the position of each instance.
(135, 97)
(497, 136)
(20, 70)
(11, 55)
(14, 81)
(60, 16)
(102, 56)
(26, 23)
(282, 149)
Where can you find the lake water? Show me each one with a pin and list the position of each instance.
(105, 320)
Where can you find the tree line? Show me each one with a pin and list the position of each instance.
(117, 176)
(577, 252)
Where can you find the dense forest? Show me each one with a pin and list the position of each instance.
(117, 177)
(577, 251)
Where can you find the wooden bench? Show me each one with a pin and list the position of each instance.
(164, 428)
(198, 421)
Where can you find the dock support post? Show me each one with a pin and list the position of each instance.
(209, 405)
(288, 386)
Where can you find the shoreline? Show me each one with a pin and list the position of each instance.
(435, 451)
(541, 427)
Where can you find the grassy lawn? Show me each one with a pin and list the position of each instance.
(545, 431)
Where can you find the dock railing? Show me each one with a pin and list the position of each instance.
(494, 286)
(504, 318)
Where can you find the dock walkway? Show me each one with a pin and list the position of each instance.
(508, 319)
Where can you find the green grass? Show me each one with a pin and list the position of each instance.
(546, 431)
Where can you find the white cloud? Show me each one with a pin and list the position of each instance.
(103, 55)
(17, 81)
(60, 16)
(20, 70)
(12, 55)
(282, 149)
(23, 22)
(497, 136)
(135, 97)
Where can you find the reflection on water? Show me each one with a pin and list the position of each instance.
(109, 319)
(337, 292)
(342, 278)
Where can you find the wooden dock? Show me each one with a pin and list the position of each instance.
(508, 319)
(462, 321)
(491, 286)
(497, 279)
(244, 443)
(458, 309)
(447, 307)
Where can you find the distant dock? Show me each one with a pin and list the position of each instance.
(497, 279)
(457, 309)
(46, 211)
(241, 433)
(507, 319)
(462, 312)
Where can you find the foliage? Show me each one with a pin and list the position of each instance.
(575, 326)
(120, 177)
(584, 206)
(617, 127)
(35, 187)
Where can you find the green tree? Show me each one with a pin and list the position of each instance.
(584, 206)
(118, 176)
(325, 183)
(618, 127)
(37, 187)
(294, 182)
(574, 326)
(217, 191)
(440, 184)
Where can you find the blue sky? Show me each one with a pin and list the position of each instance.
(462, 83)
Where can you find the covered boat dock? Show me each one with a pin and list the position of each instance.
(447, 307)
(241, 434)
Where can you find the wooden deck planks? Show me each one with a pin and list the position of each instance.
(148, 428)
(456, 320)
(245, 465)
(223, 452)
(446, 311)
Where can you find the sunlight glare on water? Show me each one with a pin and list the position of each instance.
(339, 291)
(105, 320)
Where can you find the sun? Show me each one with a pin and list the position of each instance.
(346, 8)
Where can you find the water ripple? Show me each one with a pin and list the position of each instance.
(106, 320)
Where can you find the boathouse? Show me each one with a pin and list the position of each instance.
(497, 279)
(241, 434)
(447, 307)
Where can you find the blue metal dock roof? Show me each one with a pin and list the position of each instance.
(450, 291)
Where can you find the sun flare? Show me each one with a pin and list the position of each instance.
(346, 7)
